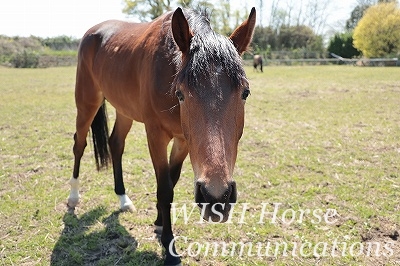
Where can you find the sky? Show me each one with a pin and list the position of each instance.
(50, 18)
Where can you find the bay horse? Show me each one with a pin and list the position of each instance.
(184, 82)
(257, 61)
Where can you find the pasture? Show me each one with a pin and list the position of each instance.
(317, 175)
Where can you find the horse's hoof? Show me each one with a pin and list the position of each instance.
(128, 208)
(126, 204)
(72, 202)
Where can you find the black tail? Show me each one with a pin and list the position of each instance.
(100, 137)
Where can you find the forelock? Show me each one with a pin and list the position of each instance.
(209, 53)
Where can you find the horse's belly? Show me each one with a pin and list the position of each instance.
(127, 108)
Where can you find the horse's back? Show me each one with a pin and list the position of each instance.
(105, 36)
(129, 62)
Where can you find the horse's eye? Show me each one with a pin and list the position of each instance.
(179, 95)
(245, 94)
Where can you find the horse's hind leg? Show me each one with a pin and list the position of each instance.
(117, 145)
(88, 100)
(83, 121)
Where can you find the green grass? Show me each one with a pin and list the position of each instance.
(316, 137)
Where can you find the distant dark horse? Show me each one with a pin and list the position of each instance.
(258, 61)
(184, 82)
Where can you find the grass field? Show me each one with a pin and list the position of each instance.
(321, 144)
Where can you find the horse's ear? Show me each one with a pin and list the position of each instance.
(243, 34)
(181, 31)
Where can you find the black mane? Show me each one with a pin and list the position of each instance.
(208, 51)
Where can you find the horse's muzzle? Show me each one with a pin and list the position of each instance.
(215, 209)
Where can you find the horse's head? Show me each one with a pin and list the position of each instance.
(212, 88)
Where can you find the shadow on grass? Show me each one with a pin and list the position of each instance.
(82, 244)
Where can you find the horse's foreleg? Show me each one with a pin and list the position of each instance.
(158, 141)
(117, 145)
(178, 154)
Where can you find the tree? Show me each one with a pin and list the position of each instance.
(146, 9)
(185, 3)
(293, 37)
(356, 15)
(316, 12)
(264, 38)
(378, 32)
(260, 10)
(311, 13)
(221, 14)
(225, 15)
(342, 44)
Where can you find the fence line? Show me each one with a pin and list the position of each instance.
(336, 61)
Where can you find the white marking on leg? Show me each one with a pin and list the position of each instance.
(74, 196)
(126, 204)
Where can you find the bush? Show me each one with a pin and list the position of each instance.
(32, 52)
(342, 44)
(26, 59)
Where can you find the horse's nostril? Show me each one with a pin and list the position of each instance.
(203, 195)
(215, 208)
